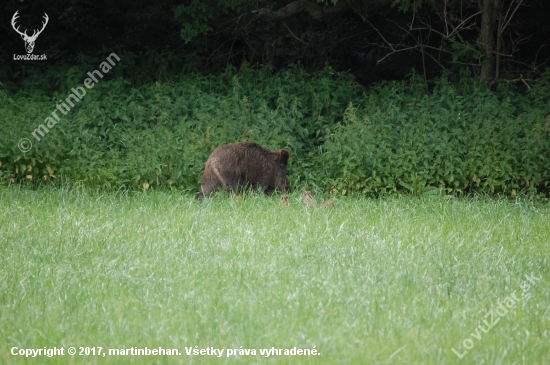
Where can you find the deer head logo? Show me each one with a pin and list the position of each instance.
(29, 40)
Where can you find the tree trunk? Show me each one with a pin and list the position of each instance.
(489, 10)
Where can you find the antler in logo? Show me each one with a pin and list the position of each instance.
(29, 41)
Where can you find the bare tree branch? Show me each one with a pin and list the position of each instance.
(520, 2)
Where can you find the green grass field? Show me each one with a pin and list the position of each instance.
(374, 281)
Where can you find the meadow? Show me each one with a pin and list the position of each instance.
(373, 281)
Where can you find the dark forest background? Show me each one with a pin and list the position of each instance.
(376, 96)
(372, 39)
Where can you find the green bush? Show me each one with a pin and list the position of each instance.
(161, 134)
(394, 138)
(458, 139)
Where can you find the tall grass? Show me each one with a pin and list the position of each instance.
(399, 281)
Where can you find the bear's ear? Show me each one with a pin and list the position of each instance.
(284, 157)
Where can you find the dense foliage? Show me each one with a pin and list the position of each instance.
(161, 134)
(460, 138)
(395, 137)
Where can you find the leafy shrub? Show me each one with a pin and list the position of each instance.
(161, 134)
(394, 138)
(460, 138)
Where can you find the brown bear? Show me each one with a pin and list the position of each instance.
(245, 164)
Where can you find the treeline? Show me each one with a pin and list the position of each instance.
(374, 40)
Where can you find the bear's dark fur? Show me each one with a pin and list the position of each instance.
(234, 166)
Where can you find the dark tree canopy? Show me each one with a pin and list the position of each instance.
(375, 39)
